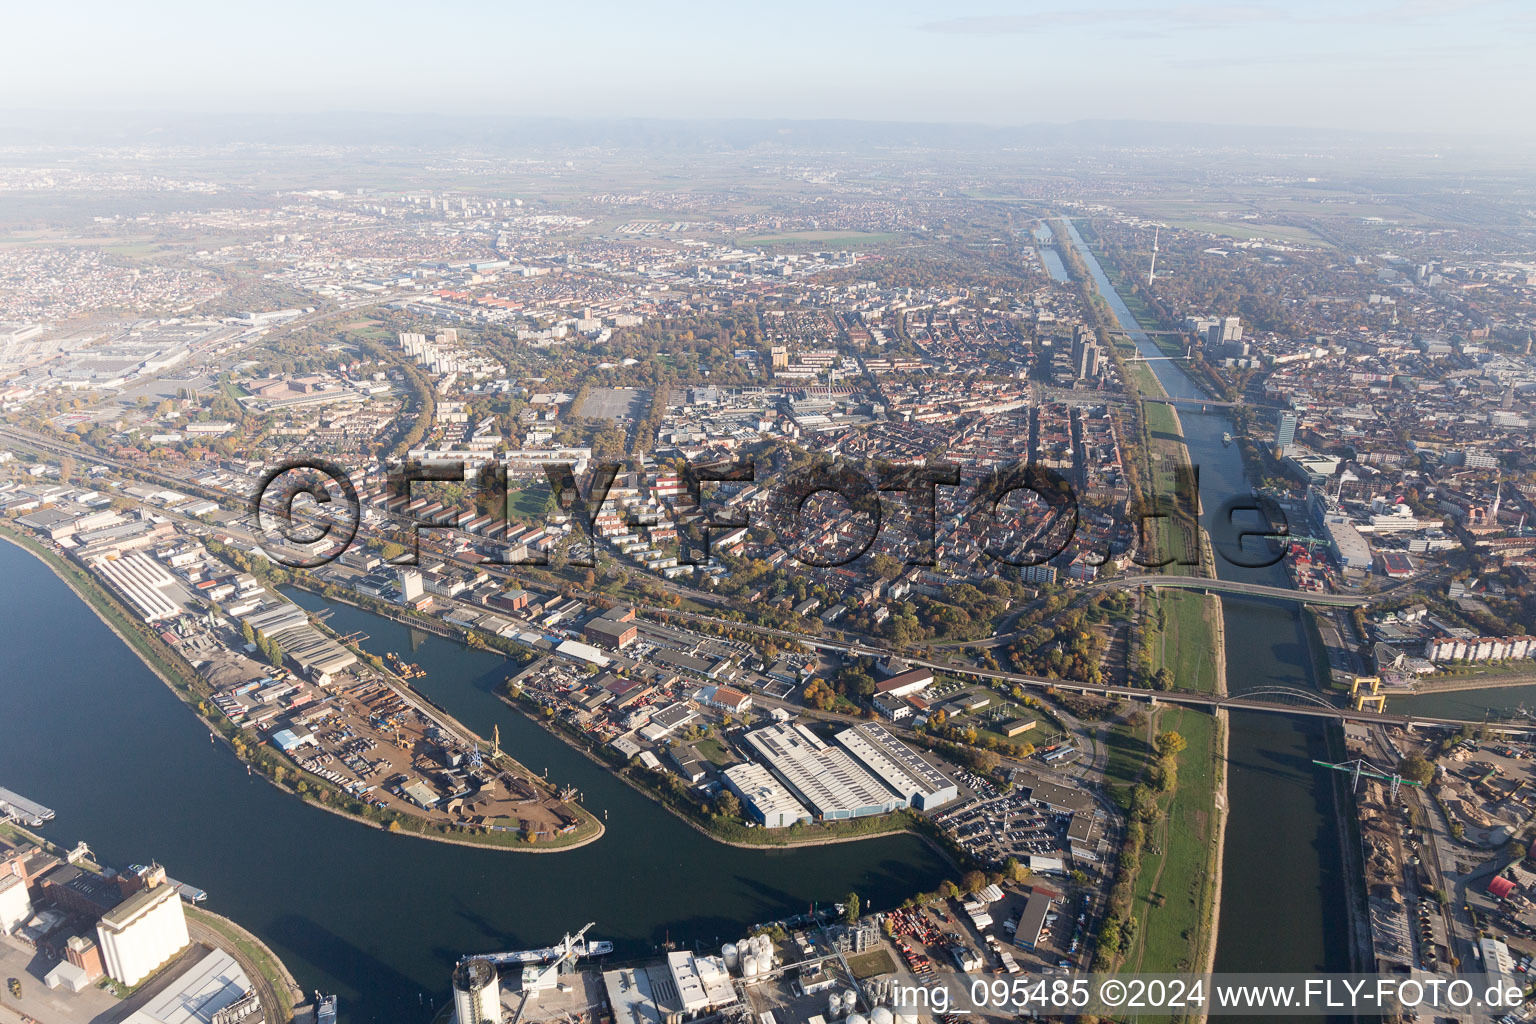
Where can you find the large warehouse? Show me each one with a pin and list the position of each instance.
(898, 766)
(316, 654)
(764, 797)
(824, 778)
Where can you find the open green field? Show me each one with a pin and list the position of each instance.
(1174, 890)
(1186, 645)
(529, 502)
(1128, 753)
(1246, 230)
(871, 965)
(714, 750)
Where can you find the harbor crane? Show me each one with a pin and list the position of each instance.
(1361, 767)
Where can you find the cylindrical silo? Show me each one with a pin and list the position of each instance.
(882, 1015)
(749, 967)
(850, 1001)
(476, 992)
(857, 1018)
(731, 955)
(834, 1004)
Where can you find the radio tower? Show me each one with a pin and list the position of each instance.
(1152, 268)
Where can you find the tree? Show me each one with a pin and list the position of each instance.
(1169, 743)
(851, 908)
(727, 805)
(1416, 767)
(247, 632)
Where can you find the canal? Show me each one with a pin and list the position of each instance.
(379, 918)
(1280, 911)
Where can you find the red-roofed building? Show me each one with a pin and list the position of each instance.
(1501, 887)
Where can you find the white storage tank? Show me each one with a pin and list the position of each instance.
(906, 1016)
(850, 1001)
(731, 955)
(857, 1018)
(834, 1004)
(882, 1015)
(749, 967)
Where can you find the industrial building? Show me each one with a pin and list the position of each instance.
(15, 904)
(898, 766)
(904, 684)
(316, 654)
(703, 983)
(142, 932)
(763, 796)
(641, 995)
(1347, 546)
(143, 581)
(476, 993)
(208, 986)
(824, 778)
(1032, 921)
(615, 628)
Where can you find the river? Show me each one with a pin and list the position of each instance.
(88, 730)
(1049, 256)
(1283, 887)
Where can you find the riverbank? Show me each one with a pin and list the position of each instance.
(591, 829)
(1456, 685)
(769, 837)
(268, 974)
(1207, 962)
(1176, 894)
(910, 825)
(180, 679)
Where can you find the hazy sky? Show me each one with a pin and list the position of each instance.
(1441, 65)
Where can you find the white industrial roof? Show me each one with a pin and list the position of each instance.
(203, 989)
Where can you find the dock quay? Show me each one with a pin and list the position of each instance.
(17, 808)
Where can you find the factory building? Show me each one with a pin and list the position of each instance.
(476, 993)
(643, 995)
(143, 581)
(15, 904)
(316, 654)
(1032, 921)
(764, 797)
(208, 986)
(703, 983)
(824, 778)
(141, 933)
(898, 766)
